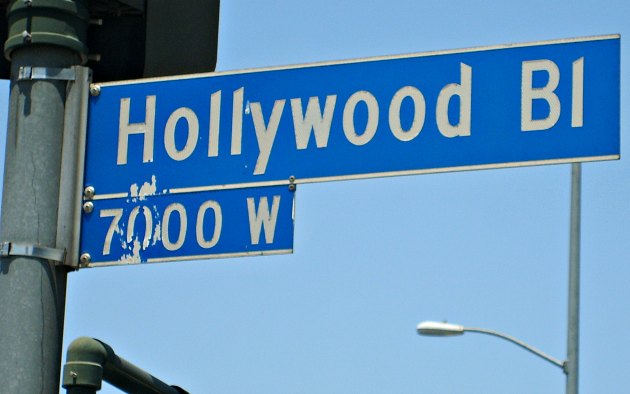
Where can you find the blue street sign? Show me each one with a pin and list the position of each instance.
(154, 227)
(528, 104)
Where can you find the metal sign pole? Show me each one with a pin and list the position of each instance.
(32, 271)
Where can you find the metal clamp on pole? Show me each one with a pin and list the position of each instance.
(30, 73)
(56, 256)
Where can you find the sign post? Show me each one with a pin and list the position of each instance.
(33, 275)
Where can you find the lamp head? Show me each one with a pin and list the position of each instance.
(437, 329)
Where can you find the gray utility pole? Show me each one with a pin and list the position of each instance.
(573, 325)
(46, 38)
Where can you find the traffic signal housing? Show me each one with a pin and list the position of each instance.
(129, 39)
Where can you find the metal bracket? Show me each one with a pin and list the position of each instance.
(57, 256)
(30, 73)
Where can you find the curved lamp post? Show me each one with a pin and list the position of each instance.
(570, 366)
(437, 329)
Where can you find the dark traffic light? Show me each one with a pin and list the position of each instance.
(130, 39)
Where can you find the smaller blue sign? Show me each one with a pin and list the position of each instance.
(150, 227)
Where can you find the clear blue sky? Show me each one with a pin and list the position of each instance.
(374, 257)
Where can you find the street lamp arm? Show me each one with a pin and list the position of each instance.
(522, 344)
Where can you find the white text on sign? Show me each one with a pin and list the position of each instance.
(317, 121)
(143, 226)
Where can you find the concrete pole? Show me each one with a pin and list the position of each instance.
(573, 325)
(33, 289)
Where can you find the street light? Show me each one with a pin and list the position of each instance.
(437, 329)
(570, 366)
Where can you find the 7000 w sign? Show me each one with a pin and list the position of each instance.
(154, 228)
